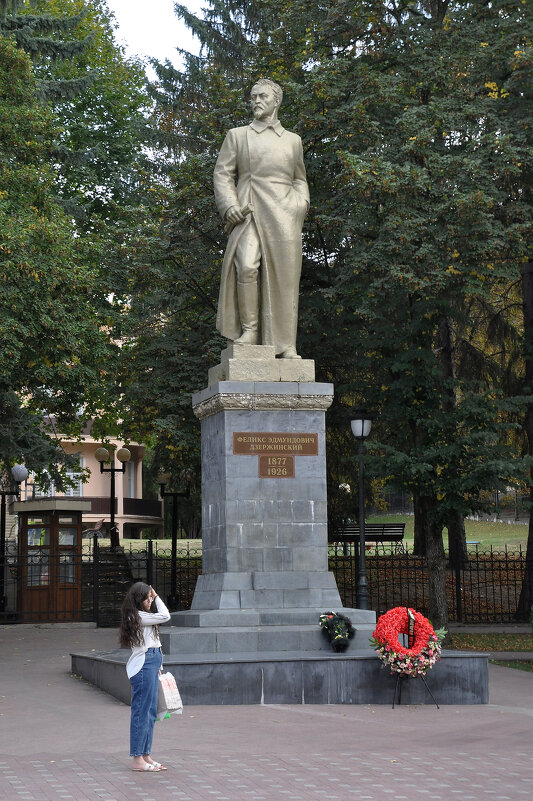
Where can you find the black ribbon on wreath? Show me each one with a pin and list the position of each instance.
(401, 677)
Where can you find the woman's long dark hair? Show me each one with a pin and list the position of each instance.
(131, 630)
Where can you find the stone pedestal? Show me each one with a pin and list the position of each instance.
(264, 504)
(265, 578)
(259, 363)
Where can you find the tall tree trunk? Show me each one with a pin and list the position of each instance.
(436, 561)
(526, 595)
(525, 602)
(421, 525)
(458, 554)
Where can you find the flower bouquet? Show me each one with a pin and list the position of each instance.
(338, 629)
(424, 643)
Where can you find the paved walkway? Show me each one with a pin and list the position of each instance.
(61, 738)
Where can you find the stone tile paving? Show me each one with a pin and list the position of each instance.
(62, 739)
(254, 777)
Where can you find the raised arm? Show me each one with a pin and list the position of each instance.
(153, 618)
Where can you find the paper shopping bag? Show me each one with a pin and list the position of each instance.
(169, 700)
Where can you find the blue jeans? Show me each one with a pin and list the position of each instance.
(144, 691)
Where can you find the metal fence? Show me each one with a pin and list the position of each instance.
(485, 590)
(101, 578)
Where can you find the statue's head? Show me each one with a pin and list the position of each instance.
(266, 97)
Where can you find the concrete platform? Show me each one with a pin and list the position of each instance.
(311, 677)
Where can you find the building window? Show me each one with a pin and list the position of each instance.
(130, 480)
(75, 476)
(43, 492)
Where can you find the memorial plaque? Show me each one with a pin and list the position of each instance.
(276, 466)
(248, 443)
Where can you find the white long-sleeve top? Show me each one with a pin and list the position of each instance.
(150, 636)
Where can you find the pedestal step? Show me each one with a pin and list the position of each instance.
(221, 618)
(254, 639)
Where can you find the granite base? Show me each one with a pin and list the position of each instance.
(355, 677)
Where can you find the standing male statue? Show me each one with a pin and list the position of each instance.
(262, 195)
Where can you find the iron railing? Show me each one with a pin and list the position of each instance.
(486, 589)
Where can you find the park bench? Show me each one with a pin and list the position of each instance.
(375, 533)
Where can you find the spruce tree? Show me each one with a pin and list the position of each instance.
(45, 37)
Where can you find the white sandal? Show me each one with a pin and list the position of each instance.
(151, 766)
(158, 765)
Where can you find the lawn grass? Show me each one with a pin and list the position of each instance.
(527, 666)
(486, 641)
(192, 545)
(487, 534)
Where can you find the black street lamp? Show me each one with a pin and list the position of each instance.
(361, 425)
(18, 474)
(173, 601)
(123, 455)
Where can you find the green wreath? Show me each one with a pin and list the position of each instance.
(338, 629)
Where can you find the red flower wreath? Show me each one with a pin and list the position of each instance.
(425, 650)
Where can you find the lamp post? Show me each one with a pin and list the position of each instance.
(102, 455)
(18, 474)
(361, 425)
(162, 480)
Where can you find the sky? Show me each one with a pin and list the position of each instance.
(153, 29)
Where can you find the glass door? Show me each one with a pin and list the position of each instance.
(36, 537)
(68, 555)
(50, 580)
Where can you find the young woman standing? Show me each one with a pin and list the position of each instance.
(139, 630)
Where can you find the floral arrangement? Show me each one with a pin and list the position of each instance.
(424, 642)
(338, 628)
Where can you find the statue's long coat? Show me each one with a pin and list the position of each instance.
(262, 166)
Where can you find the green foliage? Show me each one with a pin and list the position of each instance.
(99, 106)
(417, 167)
(42, 36)
(22, 439)
(54, 351)
(101, 127)
(420, 228)
(96, 121)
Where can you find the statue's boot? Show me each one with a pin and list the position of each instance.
(290, 353)
(248, 297)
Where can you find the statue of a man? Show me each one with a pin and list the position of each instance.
(262, 195)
